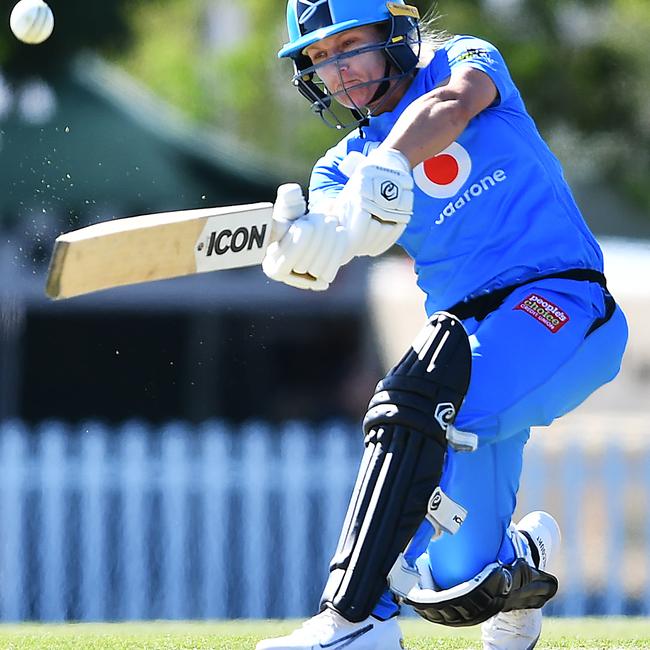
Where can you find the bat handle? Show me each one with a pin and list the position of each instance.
(289, 205)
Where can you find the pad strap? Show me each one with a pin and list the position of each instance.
(444, 514)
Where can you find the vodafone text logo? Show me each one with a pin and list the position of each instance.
(445, 175)
(442, 176)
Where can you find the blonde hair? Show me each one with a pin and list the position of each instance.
(433, 38)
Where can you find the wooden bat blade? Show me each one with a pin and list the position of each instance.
(158, 246)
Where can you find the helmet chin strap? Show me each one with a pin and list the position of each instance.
(381, 91)
(384, 93)
(383, 86)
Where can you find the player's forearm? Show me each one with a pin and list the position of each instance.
(428, 126)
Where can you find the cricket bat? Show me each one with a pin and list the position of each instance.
(158, 246)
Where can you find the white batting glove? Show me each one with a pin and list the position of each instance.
(310, 247)
(376, 204)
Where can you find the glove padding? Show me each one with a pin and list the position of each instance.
(367, 218)
(309, 253)
(376, 204)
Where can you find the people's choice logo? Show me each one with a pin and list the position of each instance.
(544, 311)
(444, 175)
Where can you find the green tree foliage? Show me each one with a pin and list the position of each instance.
(581, 66)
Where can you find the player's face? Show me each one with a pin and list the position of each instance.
(346, 76)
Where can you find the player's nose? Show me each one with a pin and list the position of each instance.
(343, 65)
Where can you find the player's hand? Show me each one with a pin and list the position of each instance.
(309, 255)
(376, 204)
(309, 247)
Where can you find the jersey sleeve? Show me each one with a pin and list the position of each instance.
(326, 179)
(482, 55)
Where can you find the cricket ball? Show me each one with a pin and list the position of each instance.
(31, 21)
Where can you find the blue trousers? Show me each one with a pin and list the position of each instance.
(532, 361)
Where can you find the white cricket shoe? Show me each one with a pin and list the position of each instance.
(520, 629)
(329, 630)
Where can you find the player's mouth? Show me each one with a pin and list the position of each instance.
(347, 87)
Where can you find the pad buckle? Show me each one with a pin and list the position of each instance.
(461, 440)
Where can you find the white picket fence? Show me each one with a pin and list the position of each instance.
(182, 522)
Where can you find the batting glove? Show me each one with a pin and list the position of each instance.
(309, 249)
(376, 204)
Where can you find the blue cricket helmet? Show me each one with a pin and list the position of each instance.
(309, 21)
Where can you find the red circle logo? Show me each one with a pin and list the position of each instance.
(444, 175)
(442, 169)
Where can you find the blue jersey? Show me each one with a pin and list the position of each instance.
(493, 209)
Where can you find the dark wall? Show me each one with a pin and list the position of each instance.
(86, 365)
(176, 357)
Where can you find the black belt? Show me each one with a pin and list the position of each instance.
(480, 306)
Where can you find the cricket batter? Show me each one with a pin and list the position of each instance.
(445, 161)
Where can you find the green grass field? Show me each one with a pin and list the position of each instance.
(594, 634)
